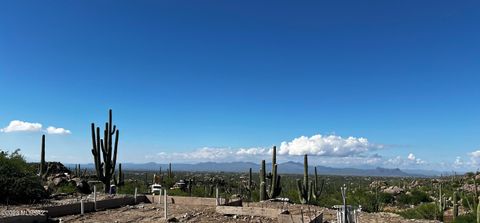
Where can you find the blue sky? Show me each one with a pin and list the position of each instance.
(193, 81)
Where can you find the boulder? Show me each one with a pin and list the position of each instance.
(394, 190)
(82, 186)
(59, 180)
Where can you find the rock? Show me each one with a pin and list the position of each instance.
(59, 180)
(378, 183)
(172, 219)
(394, 190)
(57, 168)
(82, 186)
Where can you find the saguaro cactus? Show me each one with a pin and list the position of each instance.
(263, 187)
(121, 176)
(170, 173)
(304, 193)
(316, 190)
(478, 210)
(104, 151)
(249, 186)
(44, 167)
(455, 205)
(274, 189)
(42, 157)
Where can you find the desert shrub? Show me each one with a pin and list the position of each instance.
(468, 201)
(18, 182)
(386, 198)
(415, 197)
(466, 218)
(66, 188)
(366, 199)
(177, 192)
(403, 199)
(129, 187)
(423, 211)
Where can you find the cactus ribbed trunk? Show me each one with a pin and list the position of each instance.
(170, 174)
(250, 185)
(121, 176)
(43, 165)
(304, 193)
(42, 156)
(305, 171)
(274, 188)
(316, 189)
(263, 186)
(478, 209)
(104, 151)
(455, 206)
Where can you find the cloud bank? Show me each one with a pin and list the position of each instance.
(330, 145)
(22, 126)
(57, 131)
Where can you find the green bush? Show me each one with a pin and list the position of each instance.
(423, 211)
(129, 187)
(415, 197)
(466, 218)
(418, 197)
(66, 188)
(18, 181)
(386, 198)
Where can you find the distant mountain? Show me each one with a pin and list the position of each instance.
(285, 168)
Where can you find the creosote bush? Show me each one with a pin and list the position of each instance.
(423, 211)
(18, 181)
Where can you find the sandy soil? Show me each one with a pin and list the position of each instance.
(186, 213)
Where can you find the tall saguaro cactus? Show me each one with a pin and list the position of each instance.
(121, 176)
(44, 168)
(105, 151)
(249, 186)
(263, 186)
(309, 190)
(455, 205)
(316, 190)
(478, 210)
(274, 189)
(304, 193)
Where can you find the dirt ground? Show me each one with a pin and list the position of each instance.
(187, 213)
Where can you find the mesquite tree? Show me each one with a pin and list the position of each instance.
(105, 151)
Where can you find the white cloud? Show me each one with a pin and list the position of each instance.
(213, 154)
(57, 131)
(253, 151)
(458, 162)
(21, 126)
(330, 145)
(411, 156)
(410, 161)
(475, 157)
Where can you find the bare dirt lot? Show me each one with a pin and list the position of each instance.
(189, 213)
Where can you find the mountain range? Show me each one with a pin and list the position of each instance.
(285, 168)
